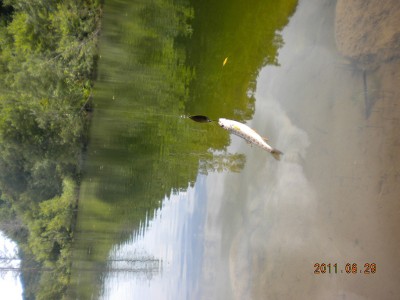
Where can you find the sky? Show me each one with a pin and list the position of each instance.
(9, 282)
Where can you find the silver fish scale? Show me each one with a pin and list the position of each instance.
(248, 138)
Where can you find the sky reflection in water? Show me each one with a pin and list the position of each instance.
(174, 236)
(256, 233)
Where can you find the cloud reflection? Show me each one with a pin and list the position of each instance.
(280, 212)
(264, 221)
(163, 260)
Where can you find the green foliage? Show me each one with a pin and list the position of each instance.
(11, 223)
(50, 241)
(5, 13)
(222, 162)
(50, 228)
(47, 57)
(47, 64)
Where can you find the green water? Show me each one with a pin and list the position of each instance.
(161, 61)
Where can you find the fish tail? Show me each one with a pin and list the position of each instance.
(276, 154)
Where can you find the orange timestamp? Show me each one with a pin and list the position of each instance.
(349, 268)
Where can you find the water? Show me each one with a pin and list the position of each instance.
(172, 209)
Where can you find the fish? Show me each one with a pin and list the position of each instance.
(250, 135)
(225, 61)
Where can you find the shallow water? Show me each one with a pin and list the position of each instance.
(265, 230)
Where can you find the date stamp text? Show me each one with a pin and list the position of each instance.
(348, 268)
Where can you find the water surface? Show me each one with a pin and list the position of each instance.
(157, 220)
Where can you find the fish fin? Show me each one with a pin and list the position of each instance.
(276, 154)
(265, 138)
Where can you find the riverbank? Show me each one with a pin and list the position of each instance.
(48, 57)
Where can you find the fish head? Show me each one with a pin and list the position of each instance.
(223, 123)
(228, 124)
